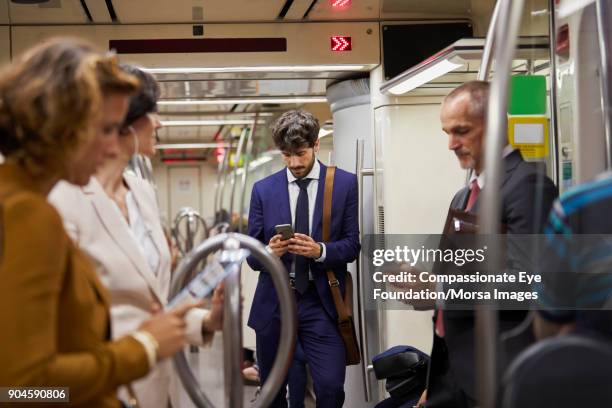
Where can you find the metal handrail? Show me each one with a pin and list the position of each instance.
(232, 337)
(605, 64)
(487, 52)
(361, 284)
(191, 215)
(552, 31)
(486, 338)
(243, 136)
(245, 173)
(287, 337)
(218, 184)
(222, 176)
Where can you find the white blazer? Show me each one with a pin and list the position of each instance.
(98, 227)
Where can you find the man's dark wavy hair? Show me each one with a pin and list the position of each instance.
(295, 129)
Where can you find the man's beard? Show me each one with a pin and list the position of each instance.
(307, 170)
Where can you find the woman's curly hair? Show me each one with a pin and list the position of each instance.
(49, 98)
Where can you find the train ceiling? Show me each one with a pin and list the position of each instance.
(219, 86)
(216, 11)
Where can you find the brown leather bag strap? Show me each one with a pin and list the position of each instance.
(327, 202)
(331, 278)
(1, 233)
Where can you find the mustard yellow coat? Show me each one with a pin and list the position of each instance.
(54, 312)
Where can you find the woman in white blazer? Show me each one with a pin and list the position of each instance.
(115, 220)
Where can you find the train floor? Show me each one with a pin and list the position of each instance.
(207, 364)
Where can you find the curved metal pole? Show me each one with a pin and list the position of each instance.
(239, 148)
(286, 345)
(232, 338)
(487, 53)
(245, 173)
(486, 338)
(604, 31)
(190, 233)
(192, 217)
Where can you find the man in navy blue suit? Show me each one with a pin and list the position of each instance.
(294, 196)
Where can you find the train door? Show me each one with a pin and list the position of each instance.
(583, 149)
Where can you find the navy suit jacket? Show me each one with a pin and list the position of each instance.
(527, 197)
(270, 207)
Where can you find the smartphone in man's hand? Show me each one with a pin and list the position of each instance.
(286, 230)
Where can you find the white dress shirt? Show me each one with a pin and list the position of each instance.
(142, 234)
(294, 192)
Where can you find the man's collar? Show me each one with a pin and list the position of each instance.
(314, 173)
(480, 179)
(507, 151)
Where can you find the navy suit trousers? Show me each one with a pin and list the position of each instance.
(322, 346)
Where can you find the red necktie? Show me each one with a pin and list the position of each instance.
(440, 323)
(474, 191)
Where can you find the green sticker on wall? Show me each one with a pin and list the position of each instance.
(527, 95)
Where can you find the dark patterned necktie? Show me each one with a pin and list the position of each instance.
(301, 226)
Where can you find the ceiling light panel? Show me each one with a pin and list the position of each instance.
(181, 146)
(239, 101)
(180, 89)
(274, 68)
(426, 75)
(208, 122)
(188, 134)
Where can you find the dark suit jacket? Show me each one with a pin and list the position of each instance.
(54, 311)
(270, 207)
(527, 196)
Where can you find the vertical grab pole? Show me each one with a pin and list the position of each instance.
(487, 53)
(605, 63)
(363, 333)
(232, 338)
(218, 184)
(243, 135)
(223, 174)
(552, 32)
(245, 173)
(486, 338)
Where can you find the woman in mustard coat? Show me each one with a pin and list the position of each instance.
(61, 105)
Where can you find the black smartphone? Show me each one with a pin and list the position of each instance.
(286, 230)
